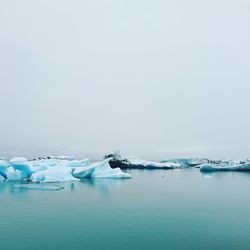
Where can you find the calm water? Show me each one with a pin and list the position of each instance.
(176, 209)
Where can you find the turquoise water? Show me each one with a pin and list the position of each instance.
(175, 209)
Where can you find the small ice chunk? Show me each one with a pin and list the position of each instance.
(207, 176)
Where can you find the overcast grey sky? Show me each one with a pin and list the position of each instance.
(151, 78)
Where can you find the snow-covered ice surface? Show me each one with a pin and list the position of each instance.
(100, 170)
(18, 160)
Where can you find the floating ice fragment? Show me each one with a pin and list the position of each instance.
(39, 187)
(207, 176)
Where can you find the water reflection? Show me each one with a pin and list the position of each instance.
(102, 185)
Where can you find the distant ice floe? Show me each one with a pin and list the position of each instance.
(151, 164)
(245, 167)
(133, 162)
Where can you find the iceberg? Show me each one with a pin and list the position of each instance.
(99, 170)
(46, 170)
(215, 168)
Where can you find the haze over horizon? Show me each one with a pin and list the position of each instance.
(156, 79)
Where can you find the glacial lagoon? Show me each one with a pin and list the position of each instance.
(155, 209)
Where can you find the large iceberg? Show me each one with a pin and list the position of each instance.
(60, 169)
(100, 170)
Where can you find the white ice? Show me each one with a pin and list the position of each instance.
(100, 170)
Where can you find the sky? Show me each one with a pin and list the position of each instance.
(156, 79)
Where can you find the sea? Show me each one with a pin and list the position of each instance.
(155, 209)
